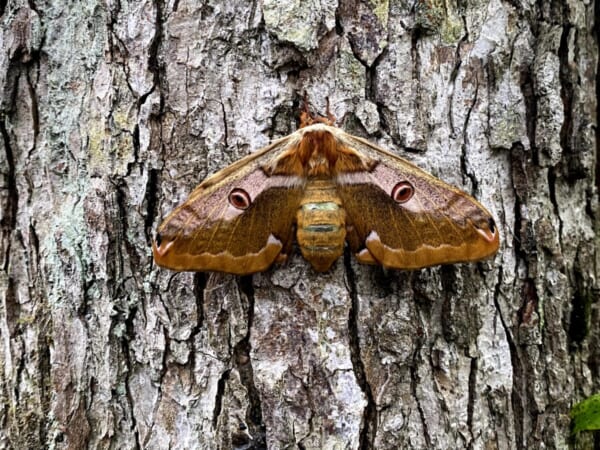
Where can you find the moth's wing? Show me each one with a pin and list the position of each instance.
(439, 224)
(208, 233)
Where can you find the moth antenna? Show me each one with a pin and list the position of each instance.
(330, 117)
(306, 118)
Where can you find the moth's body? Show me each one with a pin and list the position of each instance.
(330, 187)
(321, 224)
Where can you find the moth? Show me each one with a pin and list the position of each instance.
(327, 188)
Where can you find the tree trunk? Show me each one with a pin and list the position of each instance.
(112, 112)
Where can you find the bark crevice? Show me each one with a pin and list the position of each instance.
(369, 422)
(415, 379)
(472, 397)
(243, 363)
(9, 219)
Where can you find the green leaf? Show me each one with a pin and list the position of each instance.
(586, 414)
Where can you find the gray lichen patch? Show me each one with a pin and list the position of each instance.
(298, 22)
(381, 10)
(366, 27)
(349, 72)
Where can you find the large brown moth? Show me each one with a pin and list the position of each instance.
(327, 187)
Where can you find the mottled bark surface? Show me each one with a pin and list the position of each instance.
(111, 112)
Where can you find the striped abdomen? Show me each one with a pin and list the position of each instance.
(321, 224)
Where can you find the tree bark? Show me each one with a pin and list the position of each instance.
(110, 114)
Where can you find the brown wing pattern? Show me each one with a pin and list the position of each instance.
(436, 224)
(240, 219)
(209, 233)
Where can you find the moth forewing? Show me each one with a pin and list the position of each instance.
(212, 231)
(434, 222)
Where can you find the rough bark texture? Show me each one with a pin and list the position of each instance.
(111, 112)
